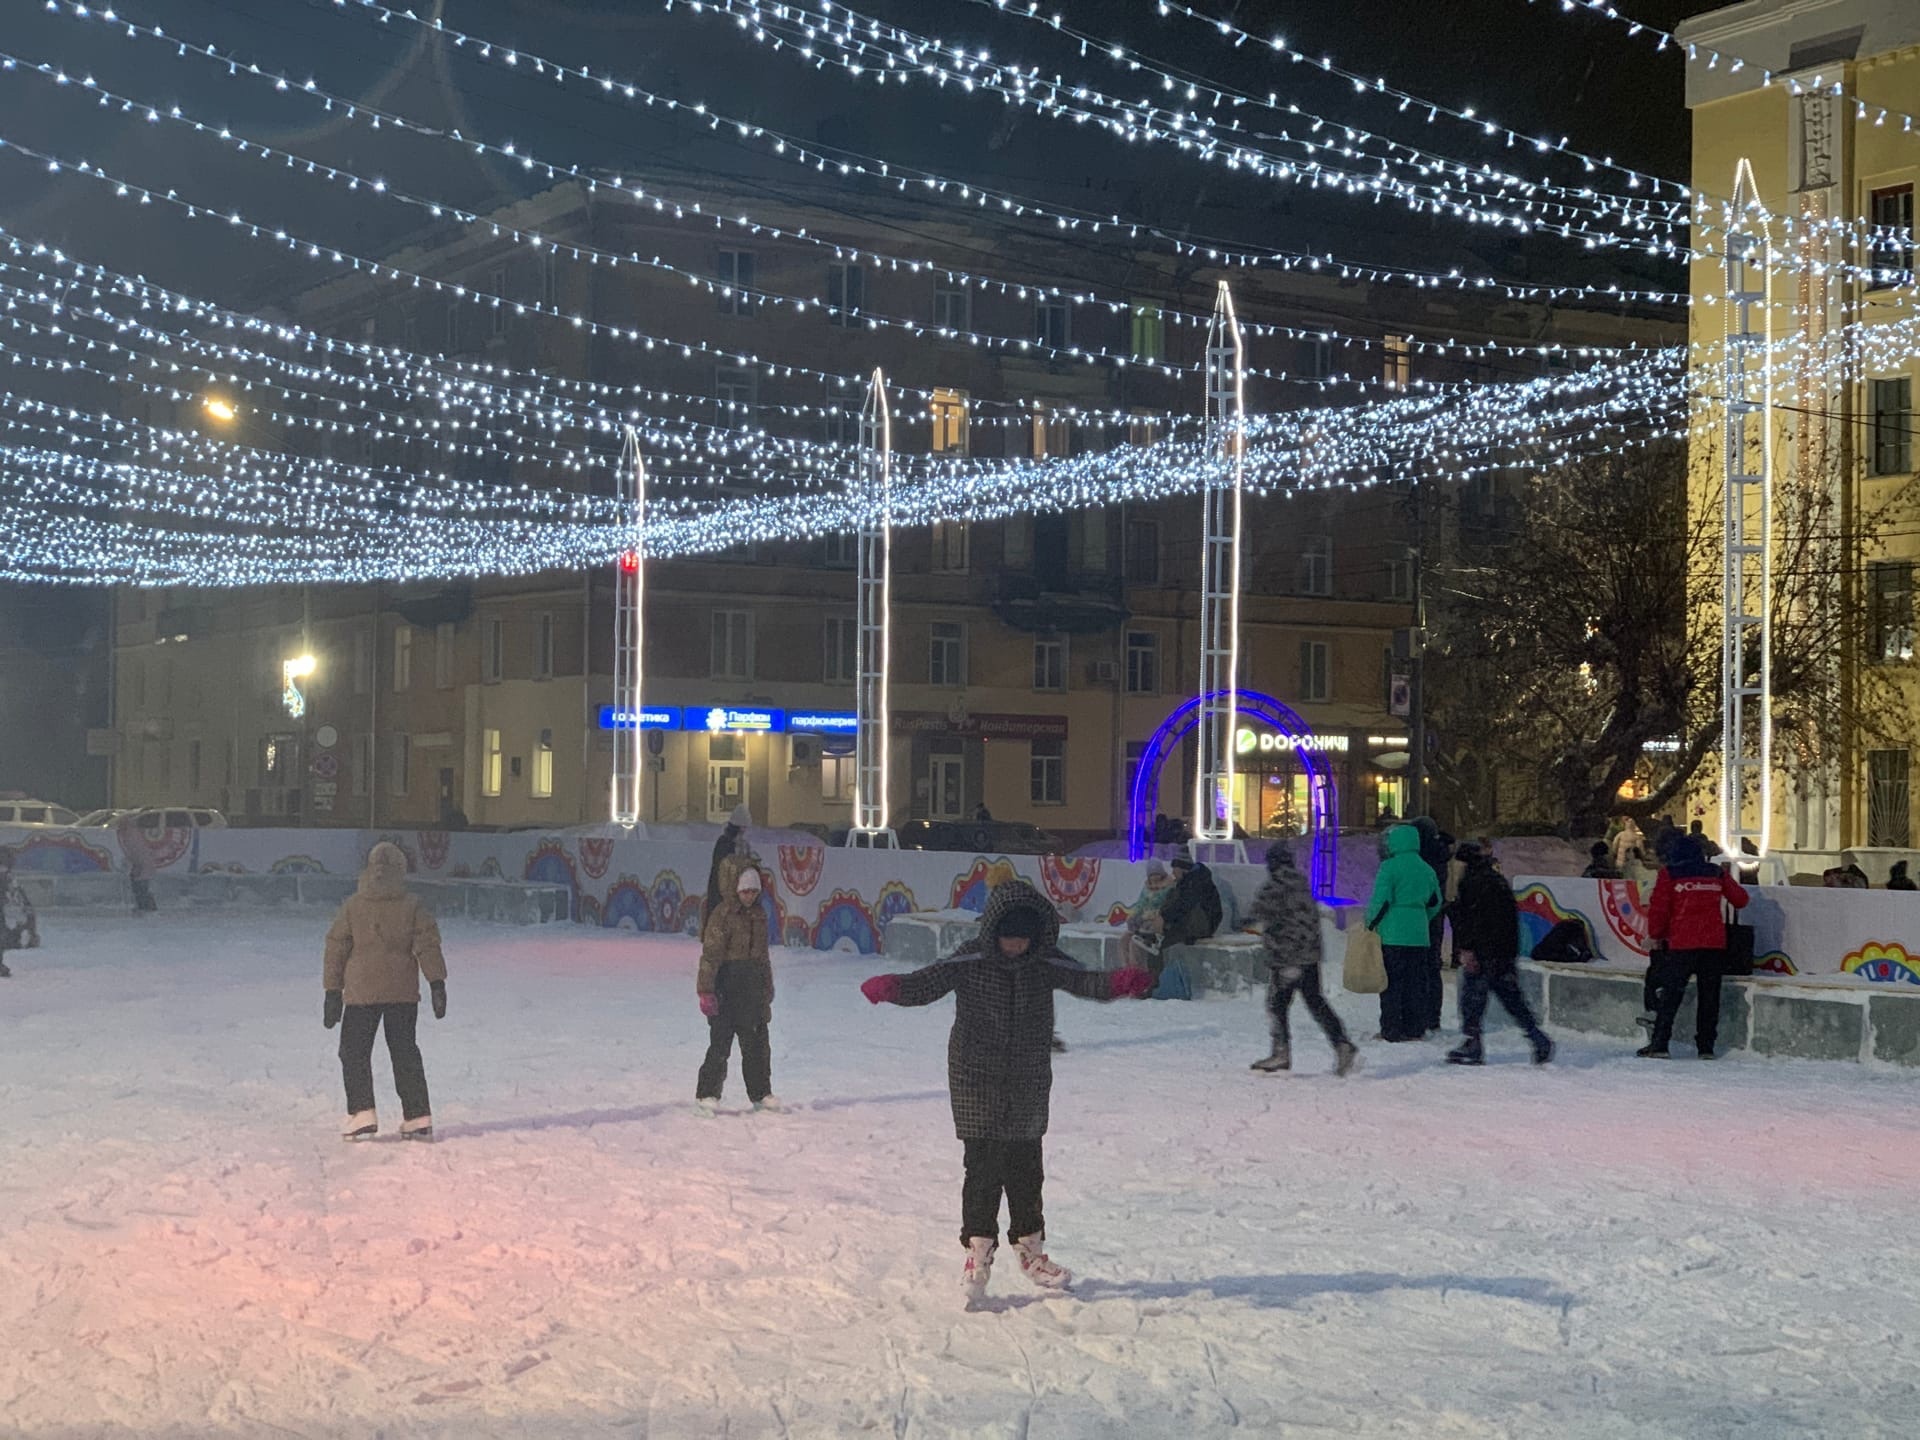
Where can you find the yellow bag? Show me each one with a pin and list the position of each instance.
(1364, 971)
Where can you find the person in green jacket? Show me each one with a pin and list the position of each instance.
(1406, 898)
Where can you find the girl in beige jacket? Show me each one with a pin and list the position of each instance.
(381, 943)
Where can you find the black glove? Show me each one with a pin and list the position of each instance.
(439, 999)
(330, 1016)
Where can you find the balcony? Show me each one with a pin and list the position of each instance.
(1065, 604)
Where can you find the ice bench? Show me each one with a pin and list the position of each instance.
(1225, 965)
(1796, 1017)
(498, 902)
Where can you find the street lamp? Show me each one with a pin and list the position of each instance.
(294, 671)
(221, 409)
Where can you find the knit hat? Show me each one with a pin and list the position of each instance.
(1183, 859)
(1279, 857)
(741, 817)
(749, 880)
(1020, 923)
(1156, 868)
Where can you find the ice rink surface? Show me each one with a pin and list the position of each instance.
(1605, 1248)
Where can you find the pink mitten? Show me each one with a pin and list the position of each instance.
(1133, 983)
(709, 1005)
(882, 989)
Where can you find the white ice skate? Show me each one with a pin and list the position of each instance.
(418, 1128)
(1035, 1265)
(978, 1269)
(361, 1125)
(706, 1109)
(772, 1104)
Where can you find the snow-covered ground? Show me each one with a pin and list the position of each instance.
(1604, 1248)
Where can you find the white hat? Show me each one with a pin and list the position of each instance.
(741, 817)
(749, 879)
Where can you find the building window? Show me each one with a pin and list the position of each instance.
(947, 655)
(733, 392)
(1400, 580)
(1316, 359)
(400, 765)
(1052, 434)
(1316, 566)
(363, 765)
(1050, 662)
(1315, 670)
(1143, 430)
(550, 279)
(1149, 331)
(402, 659)
(543, 645)
(836, 778)
(1047, 772)
(1890, 212)
(842, 651)
(443, 657)
(497, 283)
(1892, 426)
(362, 663)
(543, 766)
(952, 540)
(949, 411)
(493, 764)
(1016, 542)
(1396, 363)
(1053, 323)
(1090, 527)
(1889, 820)
(1143, 662)
(1890, 594)
(732, 645)
(952, 306)
(846, 293)
(841, 427)
(493, 663)
(736, 294)
(842, 551)
(1143, 552)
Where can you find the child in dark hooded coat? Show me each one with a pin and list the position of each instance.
(1286, 917)
(1000, 1066)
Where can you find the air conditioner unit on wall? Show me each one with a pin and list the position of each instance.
(806, 752)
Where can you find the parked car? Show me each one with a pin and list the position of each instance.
(175, 817)
(36, 812)
(102, 819)
(1005, 837)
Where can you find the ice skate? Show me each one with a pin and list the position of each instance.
(1037, 1267)
(361, 1125)
(1653, 1052)
(705, 1108)
(978, 1269)
(1280, 1059)
(772, 1104)
(1469, 1053)
(1708, 1055)
(418, 1128)
(1346, 1058)
(1543, 1050)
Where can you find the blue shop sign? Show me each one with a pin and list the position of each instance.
(748, 720)
(822, 722)
(652, 717)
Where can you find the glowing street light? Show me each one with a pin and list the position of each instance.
(222, 410)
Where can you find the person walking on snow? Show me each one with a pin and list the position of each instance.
(1000, 1067)
(139, 857)
(19, 926)
(379, 945)
(1486, 925)
(735, 985)
(1405, 900)
(1686, 921)
(732, 841)
(1286, 917)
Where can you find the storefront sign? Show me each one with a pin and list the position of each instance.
(991, 727)
(748, 721)
(652, 717)
(822, 722)
(1267, 742)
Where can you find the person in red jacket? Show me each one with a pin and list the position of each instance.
(1687, 923)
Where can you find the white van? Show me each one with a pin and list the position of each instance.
(35, 812)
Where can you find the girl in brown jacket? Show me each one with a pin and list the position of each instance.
(735, 985)
(380, 944)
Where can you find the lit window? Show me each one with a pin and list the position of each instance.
(1149, 331)
(543, 766)
(836, 778)
(1890, 596)
(1396, 361)
(493, 763)
(949, 412)
(1052, 434)
(1890, 212)
(403, 659)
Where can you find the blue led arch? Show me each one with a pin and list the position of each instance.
(1323, 809)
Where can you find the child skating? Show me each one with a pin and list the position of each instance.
(1000, 1067)
(1287, 919)
(735, 985)
(381, 943)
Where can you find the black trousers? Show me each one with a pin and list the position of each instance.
(1667, 977)
(1503, 985)
(358, 1023)
(143, 896)
(756, 1058)
(1002, 1167)
(1303, 981)
(1403, 1004)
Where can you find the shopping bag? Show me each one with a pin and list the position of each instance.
(1365, 969)
(1739, 958)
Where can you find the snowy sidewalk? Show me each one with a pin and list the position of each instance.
(1606, 1248)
